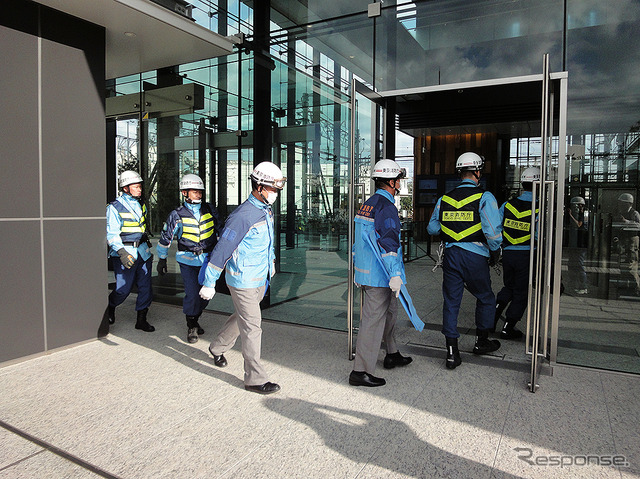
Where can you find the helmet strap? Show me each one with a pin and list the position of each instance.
(187, 199)
(259, 190)
(128, 192)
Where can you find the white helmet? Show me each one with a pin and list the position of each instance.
(577, 200)
(626, 197)
(469, 161)
(530, 174)
(267, 173)
(129, 178)
(191, 182)
(387, 170)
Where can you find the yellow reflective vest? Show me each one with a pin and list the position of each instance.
(516, 226)
(460, 216)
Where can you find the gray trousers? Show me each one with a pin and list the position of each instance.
(244, 322)
(378, 321)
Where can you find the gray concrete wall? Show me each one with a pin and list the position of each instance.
(52, 180)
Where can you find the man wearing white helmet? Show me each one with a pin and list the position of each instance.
(129, 248)
(628, 240)
(380, 286)
(468, 221)
(246, 252)
(196, 226)
(516, 246)
(578, 241)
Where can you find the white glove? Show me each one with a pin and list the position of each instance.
(207, 293)
(395, 283)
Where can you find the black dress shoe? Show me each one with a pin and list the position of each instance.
(361, 378)
(219, 361)
(396, 359)
(266, 388)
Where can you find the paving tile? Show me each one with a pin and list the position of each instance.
(14, 448)
(151, 405)
(46, 465)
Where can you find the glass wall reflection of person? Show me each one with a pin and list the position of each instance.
(628, 238)
(578, 240)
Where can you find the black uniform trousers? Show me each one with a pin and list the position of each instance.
(515, 266)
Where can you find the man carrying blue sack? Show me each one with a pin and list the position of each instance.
(196, 226)
(469, 223)
(381, 287)
(246, 250)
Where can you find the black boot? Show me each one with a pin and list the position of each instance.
(111, 312)
(200, 330)
(192, 329)
(141, 322)
(509, 331)
(500, 307)
(453, 355)
(484, 345)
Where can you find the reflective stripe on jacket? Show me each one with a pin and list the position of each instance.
(126, 211)
(198, 235)
(196, 227)
(133, 227)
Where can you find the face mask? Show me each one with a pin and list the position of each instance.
(271, 198)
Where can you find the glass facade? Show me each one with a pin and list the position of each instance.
(599, 325)
(315, 50)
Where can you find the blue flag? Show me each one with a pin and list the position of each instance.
(404, 297)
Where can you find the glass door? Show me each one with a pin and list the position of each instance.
(363, 154)
(544, 286)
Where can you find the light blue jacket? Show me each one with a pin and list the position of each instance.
(245, 248)
(114, 228)
(490, 218)
(379, 214)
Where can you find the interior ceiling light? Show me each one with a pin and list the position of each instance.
(129, 34)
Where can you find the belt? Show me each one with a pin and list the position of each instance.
(135, 244)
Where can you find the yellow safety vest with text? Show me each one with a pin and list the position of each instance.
(516, 226)
(460, 216)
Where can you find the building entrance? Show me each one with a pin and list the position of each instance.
(515, 123)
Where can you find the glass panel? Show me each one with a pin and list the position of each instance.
(311, 142)
(598, 323)
(434, 43)
(310, 108)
